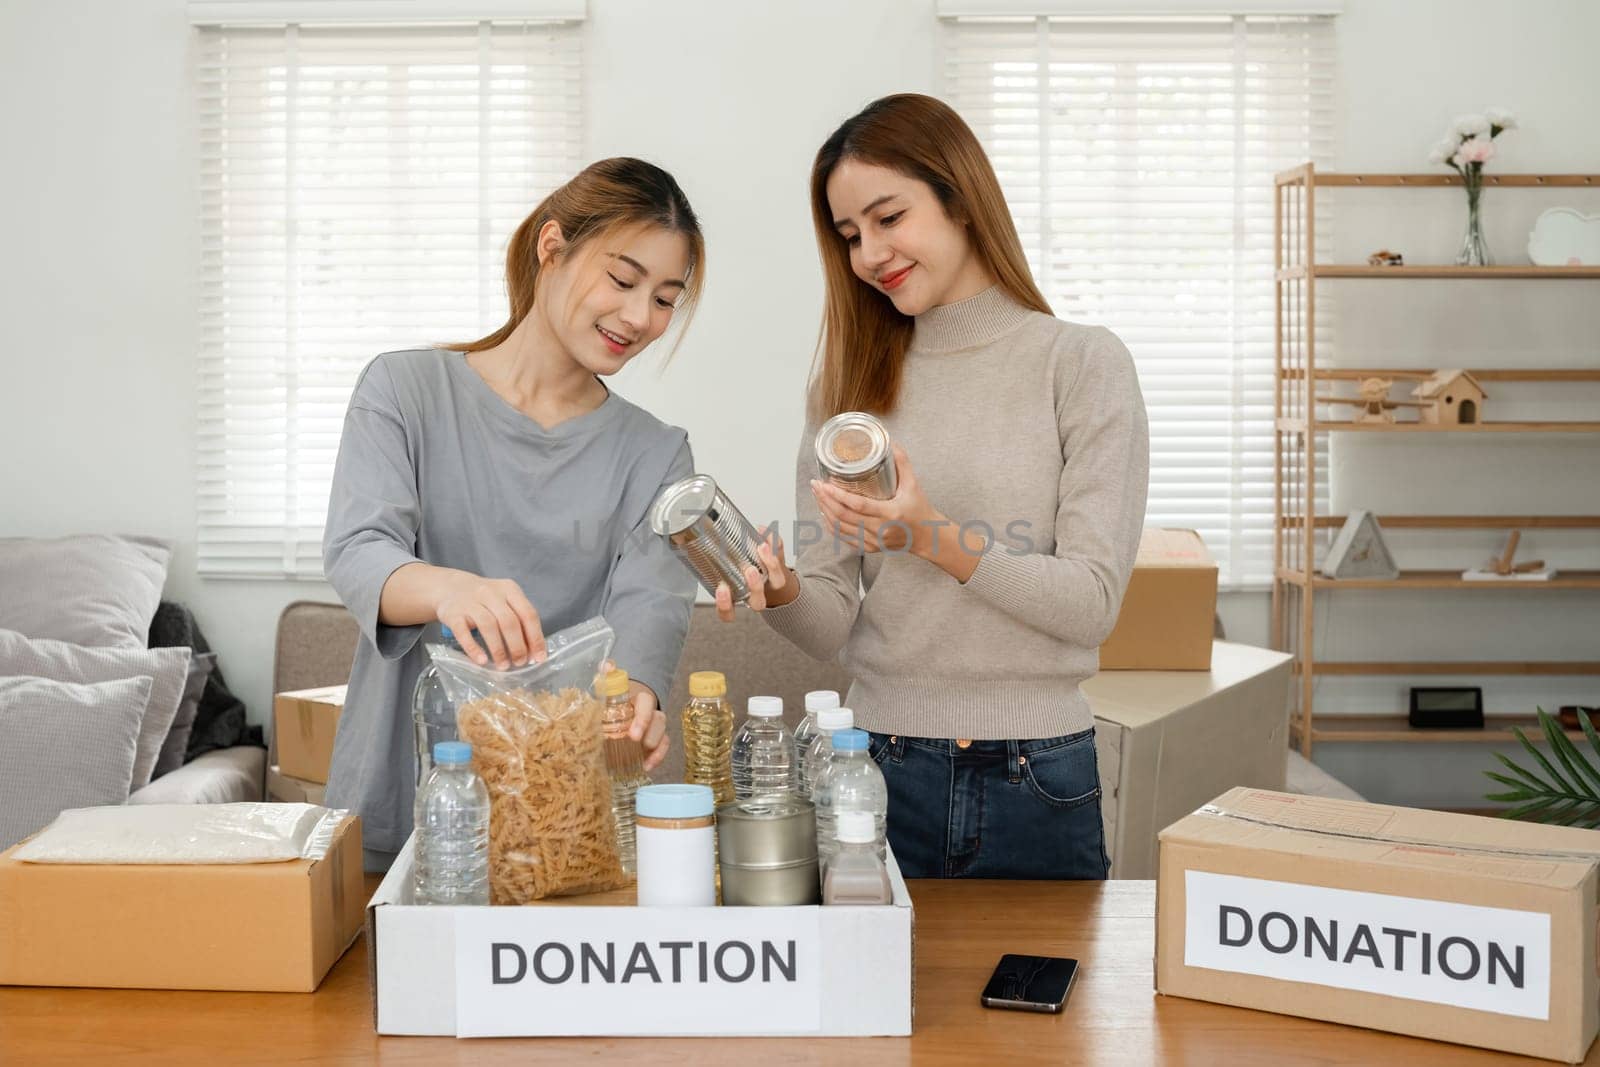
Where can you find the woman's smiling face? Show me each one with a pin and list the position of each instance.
(902, 243)
(610, 300)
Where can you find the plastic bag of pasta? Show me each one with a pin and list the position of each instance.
(538, 744)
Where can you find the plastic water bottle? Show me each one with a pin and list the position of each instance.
(806, 734)
(852, 782)
(452, 824)
(432, 714)
(815, 762)
(763, 752)
(857, 874)
(624, 762)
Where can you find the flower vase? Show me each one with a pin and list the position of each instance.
(1474, 249)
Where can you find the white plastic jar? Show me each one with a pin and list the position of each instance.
(675, 830)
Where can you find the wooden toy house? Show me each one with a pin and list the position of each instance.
(1450, 397)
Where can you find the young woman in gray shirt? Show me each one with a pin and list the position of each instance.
(971, 605)
(499, 488)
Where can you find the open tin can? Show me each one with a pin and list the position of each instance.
(855, 453)
(708, 533)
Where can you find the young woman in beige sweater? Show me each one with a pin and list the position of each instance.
(969, 607)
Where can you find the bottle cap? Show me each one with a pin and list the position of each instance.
(614, 684)
(850, 741)
(855, 828)
(452, 752)
(766, 707)
(446, 634)
(674, 801)
(708, 684)
(821, 700)
(835, 719)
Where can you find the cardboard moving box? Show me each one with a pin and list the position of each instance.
(284, 789)
(304, 724)
(1459, 928)
(1169, 611)
(270, 927)
(598, 965)
(1168, 741)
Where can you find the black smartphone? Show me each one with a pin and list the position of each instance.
(1030, 983)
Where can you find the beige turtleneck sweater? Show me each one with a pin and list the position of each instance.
(1037, 428)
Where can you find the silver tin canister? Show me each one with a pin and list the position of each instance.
(708, 533)
(854, 452)
(767, 850)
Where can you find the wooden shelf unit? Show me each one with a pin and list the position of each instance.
(1300, 529)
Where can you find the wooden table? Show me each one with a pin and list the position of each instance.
(1113, 1016)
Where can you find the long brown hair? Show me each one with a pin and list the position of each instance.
(864, 339)
(602, 198)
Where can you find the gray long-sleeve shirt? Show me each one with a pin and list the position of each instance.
(435, 467)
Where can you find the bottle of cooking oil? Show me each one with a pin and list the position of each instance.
(624, 762)
(708, 735)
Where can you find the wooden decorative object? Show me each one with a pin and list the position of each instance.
(1504, 564)
(1451, 397)
(1385, 258)
(1374, 401)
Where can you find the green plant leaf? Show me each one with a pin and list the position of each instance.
(1536, 808)
(1555, 776)
(1589, 732)
(1529, 777)
(1583, 775)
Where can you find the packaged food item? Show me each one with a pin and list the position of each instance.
(708, 735)
(710, 535)
(624, 761)
(855, 453)
(677, 856)
(767, 852)
(248, 832)
(538, 743)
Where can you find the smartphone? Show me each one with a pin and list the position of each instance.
(1030, 983)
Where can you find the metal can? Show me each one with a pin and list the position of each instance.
(854, 452)
(708, 533)
(768, 852)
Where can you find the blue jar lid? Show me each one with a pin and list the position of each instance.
(445, 634)
(452, 752)
(850, 740)
(674, 801)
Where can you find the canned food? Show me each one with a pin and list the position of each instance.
(855, 453)
(708, 533)
(768, 852)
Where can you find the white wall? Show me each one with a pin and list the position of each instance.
(98, 290)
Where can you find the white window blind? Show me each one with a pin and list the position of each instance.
(358, 186)
(1138, 158)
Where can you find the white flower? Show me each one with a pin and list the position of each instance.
(1444, 149)
(1499, 116)
(1477, 150)
(1436, 156)
(1471, 125)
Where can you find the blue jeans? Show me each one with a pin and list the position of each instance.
(994, 809)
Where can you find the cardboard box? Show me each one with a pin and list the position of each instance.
(597, 965)
(271, 927)
(304, 724)
(284, 789)
(1453, 927)
(1169, 611)
(1168, 741)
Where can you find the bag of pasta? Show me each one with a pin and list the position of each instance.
(538, 744)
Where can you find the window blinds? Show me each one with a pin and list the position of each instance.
(358, 185)
(1138, 158)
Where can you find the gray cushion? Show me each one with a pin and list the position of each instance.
(64, 745)
(97, 589)
(63, 662)
(176, 746)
